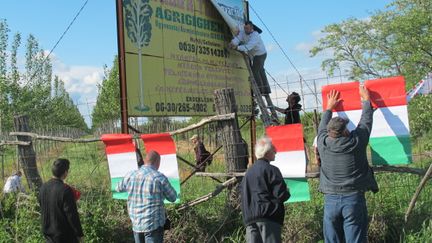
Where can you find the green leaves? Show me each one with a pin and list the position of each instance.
(397, 41)
(31, 92)
(107, 108)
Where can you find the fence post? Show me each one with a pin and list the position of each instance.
(26, 154)
(234, 147)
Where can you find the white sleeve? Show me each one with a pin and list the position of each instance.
(251, 44)
(239, 38)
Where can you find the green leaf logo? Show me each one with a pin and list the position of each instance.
(138, 28)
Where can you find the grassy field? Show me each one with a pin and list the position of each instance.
(106, 220)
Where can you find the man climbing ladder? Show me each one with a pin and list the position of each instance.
(249, 41)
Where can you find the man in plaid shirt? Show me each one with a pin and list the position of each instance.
(147, 188)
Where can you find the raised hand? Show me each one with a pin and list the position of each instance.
(332, 99)
(364, 93)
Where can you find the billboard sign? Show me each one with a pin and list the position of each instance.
(176, 55)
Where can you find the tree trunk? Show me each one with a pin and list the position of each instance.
(235, 148)
(26, 154)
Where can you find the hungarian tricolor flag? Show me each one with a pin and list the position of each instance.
(390, 139)
(121, 157)
(291, 159)
(350, 106)
(165, 146)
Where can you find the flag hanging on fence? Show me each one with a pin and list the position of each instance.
(350, 105)
(390, 138)
(121, 157)
(165, 146)
(423, 87)
(291, 159)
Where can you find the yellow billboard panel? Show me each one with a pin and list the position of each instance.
(176, 56)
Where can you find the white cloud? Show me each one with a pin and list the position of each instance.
(81, 83)
(305, 47)
(271, 47)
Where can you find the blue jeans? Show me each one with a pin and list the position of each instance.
(345, 218)
(263, 232)
(155, 236)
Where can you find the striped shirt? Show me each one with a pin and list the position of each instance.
(147, 188)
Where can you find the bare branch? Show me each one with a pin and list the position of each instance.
(417, 192)
(59, 139)
(3, 143)
(203, 122)
(377, 169)
(90, 140)
(209, 196)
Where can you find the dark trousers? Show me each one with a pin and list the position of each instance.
(260, 75)
(263, 232)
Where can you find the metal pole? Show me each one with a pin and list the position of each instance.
(316, 94)
(301, 91)
(122, 67)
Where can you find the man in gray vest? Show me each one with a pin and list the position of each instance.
(345, 174)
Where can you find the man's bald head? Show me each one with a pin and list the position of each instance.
(152, 158)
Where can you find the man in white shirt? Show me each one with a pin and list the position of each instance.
(249, 41)
(13, 183)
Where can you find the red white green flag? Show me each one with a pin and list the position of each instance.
(291, 159)
(390, 139)
(165, 146)
(121, 158)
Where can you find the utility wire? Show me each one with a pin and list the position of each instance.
(58, 41)
(283, 51)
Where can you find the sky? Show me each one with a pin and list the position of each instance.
(91, 41)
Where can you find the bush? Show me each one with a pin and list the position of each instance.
(103, 219)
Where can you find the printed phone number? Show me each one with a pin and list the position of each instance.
(180, 107)
(204, 50)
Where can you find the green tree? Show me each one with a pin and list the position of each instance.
(30, 92)
(397, 41)
(4, 30)
(63, 111)
(107, 108)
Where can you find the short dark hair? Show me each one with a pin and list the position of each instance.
(59, 167)
(295, 96)
(336, 126)
(248, 22)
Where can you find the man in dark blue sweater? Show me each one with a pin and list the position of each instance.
(345, 174)
(263, 192)
(60, 219)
